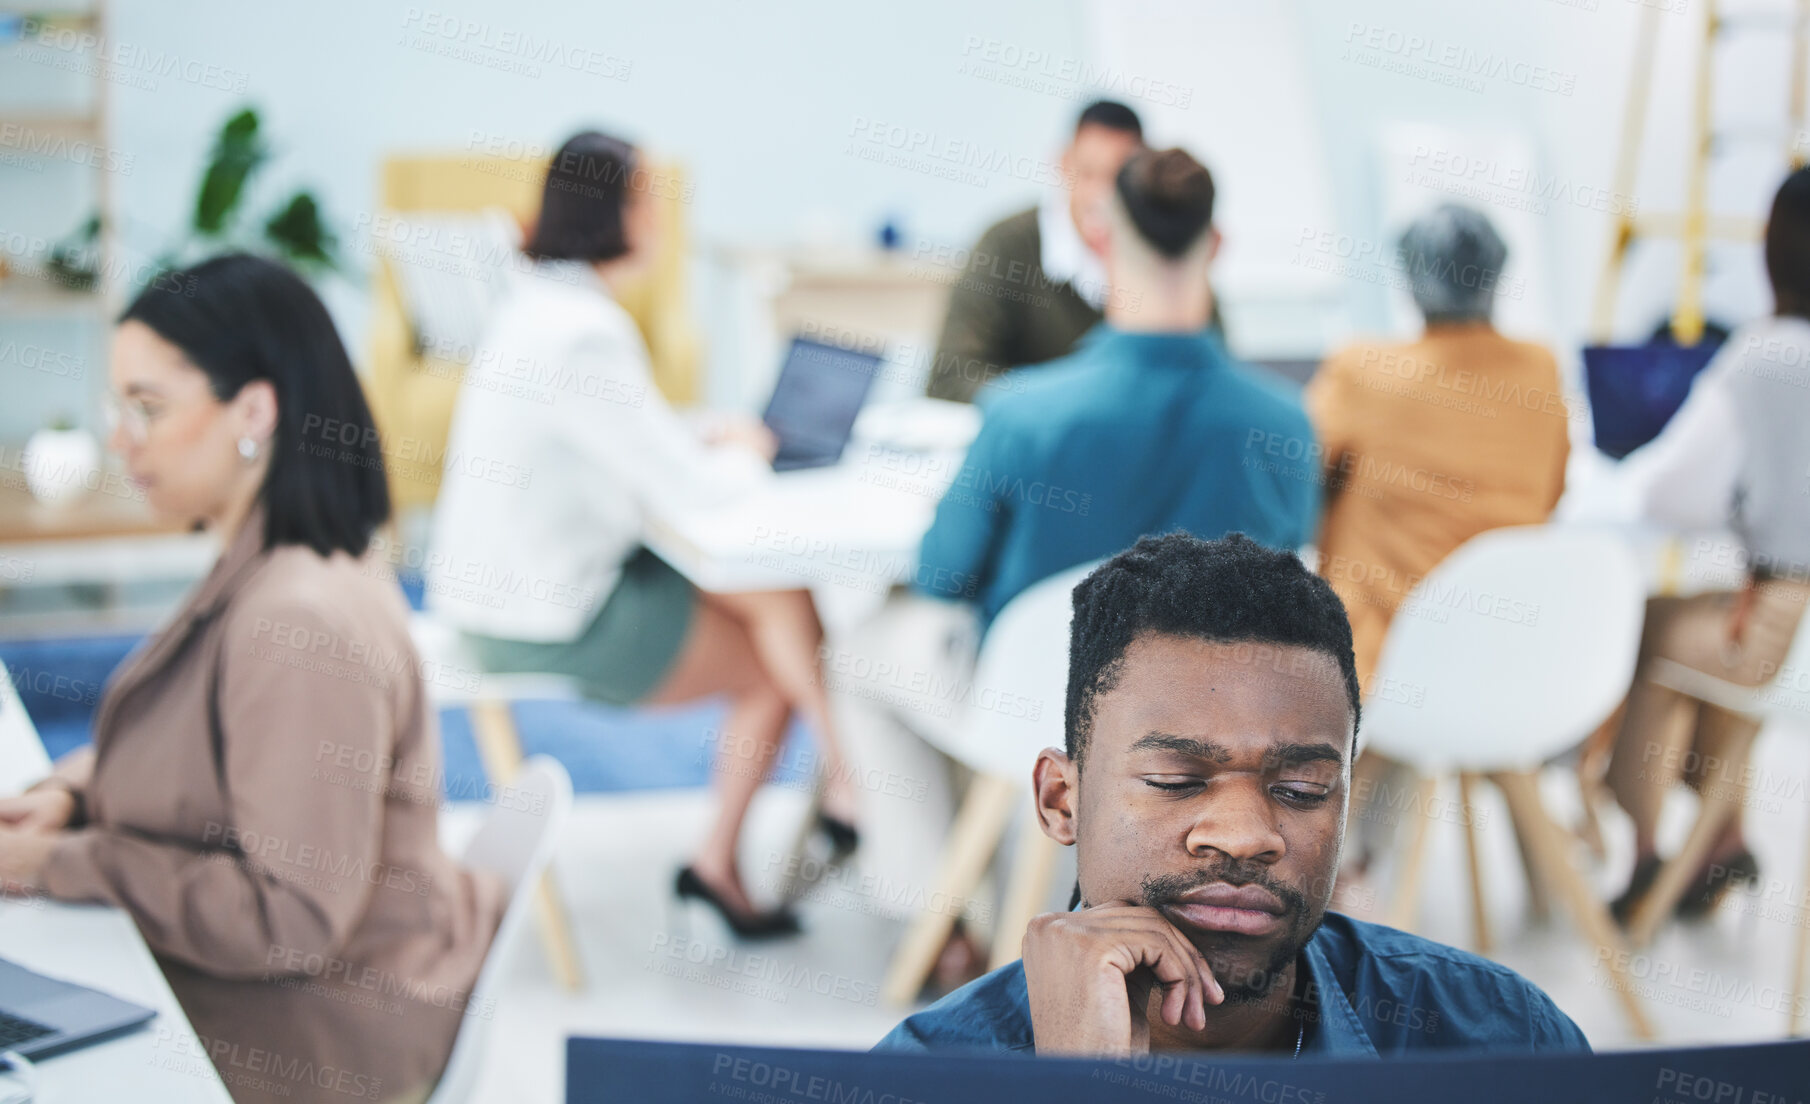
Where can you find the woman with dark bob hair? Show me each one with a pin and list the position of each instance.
(262, 789)
(549, 572)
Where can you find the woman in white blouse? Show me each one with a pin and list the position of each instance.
(559, 445)
(1736, 454)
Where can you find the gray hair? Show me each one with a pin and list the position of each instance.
(1454, 260)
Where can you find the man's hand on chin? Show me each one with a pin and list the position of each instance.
(1089, 974)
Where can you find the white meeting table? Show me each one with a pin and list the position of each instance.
(848, 532)
(100, 947)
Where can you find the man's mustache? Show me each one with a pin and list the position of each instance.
(1167, 889)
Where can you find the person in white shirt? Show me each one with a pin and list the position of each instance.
(1736, 453)
(559, 446)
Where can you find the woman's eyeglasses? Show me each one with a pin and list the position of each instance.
(135, 415)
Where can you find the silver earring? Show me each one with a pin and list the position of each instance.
(248, 448)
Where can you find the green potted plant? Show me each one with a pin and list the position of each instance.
(294, 230)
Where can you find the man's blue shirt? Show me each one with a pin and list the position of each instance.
(1370, 991)
(1131, 434)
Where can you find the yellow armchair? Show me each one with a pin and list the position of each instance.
(413, 394)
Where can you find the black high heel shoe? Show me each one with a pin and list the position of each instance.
(762, 925)
(842, 835)
(1715, 881)
(1645, 872)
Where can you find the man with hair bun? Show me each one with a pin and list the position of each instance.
(1036, 281)
(1149, 426)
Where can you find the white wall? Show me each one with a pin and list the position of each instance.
(1299, 95)
(765, 103)
(771, 105)
(1251, 118)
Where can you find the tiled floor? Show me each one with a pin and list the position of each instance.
(658, 973)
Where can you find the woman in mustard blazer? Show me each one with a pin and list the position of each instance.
(262, 791)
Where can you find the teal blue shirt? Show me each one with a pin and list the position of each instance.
(1369, 991)
(1129, 435)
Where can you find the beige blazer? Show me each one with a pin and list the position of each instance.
(263, 801)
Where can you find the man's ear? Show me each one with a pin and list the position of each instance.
(1055, 780)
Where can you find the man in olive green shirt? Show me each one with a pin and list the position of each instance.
(1034, 283)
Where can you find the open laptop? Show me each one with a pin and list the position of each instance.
(41, 1015)
(812, 411)
(1635, 389)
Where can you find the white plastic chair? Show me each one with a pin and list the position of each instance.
(1784, 701)
(515, 842)
(1022, 669)
(454, 679)
(1512, 651)
(23, 760)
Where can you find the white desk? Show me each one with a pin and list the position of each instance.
(101, 948)
(1607, 493)
(847, 533)
(1685, 564)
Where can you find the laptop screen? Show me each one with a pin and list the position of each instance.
(812, 411)
(1635, 389)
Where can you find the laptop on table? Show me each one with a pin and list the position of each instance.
(812, 412)
(41, 1016)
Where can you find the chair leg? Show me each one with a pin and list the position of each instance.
(1590, 827)
(1675, 876)
(794, 883)
(1032, 869)
(500, 748)
(1467, 781)
(1719, 805)
(973, 840)
(556, 933)
(499, 745)
(1406, 904)
(1539, 906)
(1550, 852)
(1592, 763)
(1802, 959)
